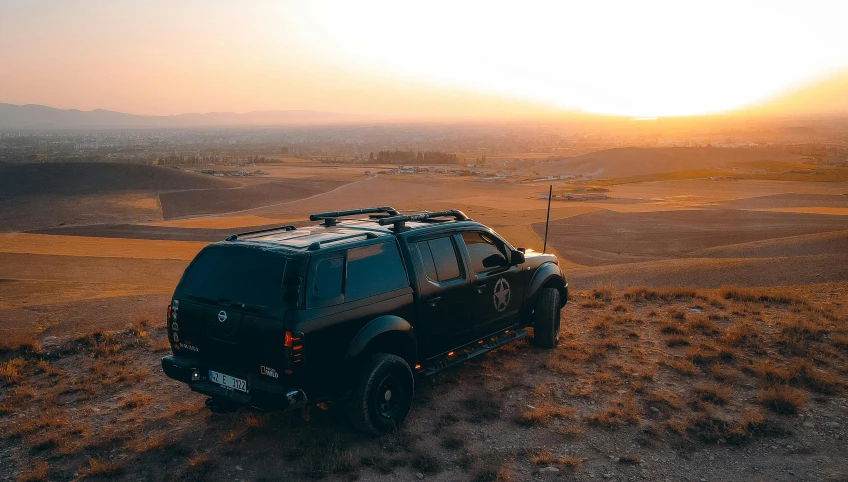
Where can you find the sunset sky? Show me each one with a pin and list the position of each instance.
(426, 59)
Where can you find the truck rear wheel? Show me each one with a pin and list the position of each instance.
(546, 318)
(382, 396)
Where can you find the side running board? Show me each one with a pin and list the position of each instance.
(472, 350)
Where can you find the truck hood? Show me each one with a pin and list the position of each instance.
(535, 259)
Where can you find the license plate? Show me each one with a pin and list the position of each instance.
(227, 381)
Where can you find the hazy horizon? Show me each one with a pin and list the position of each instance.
(454, 59)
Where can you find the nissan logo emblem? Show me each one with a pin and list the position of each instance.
(222, 316)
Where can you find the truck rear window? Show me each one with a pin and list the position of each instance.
(245, 275)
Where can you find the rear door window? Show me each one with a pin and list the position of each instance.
(244, 275)
(440, 259)
(373, 270)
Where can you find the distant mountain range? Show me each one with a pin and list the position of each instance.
(828, 96)
(32, 116)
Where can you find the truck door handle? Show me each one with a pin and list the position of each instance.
(434, 301)
(481, 288)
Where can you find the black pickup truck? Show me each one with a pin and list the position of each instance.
(353, 309)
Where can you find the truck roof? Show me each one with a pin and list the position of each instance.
(334, 231)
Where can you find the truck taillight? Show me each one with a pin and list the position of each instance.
(293, 350)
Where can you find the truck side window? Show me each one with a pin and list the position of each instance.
(373, 270)
(485, 252)
(439, 259)
(327, 282)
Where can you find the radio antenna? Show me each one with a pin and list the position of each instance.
(548, 218)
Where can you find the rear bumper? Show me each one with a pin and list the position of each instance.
(262, 394)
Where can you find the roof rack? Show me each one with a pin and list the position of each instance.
(331, 217)
(400, 221)
(234, 237)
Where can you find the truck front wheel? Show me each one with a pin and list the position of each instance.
(382, 396)
(546, 318)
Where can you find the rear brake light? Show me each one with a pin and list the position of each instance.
(293, 343)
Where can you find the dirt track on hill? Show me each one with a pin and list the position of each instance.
(227, 200)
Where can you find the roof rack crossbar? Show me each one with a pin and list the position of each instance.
(234, 237)
(353, 212)
(400, 221)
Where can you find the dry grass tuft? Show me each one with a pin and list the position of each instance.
(704, 325)
(11, 370)
(254, 420)
(673, 329)
(136, 400)
(683, 366)
(101, 468)
(37, 473)
(641, 293)
(782, 399)
(21, 345)
(711, 429)
(718, 395)
(676, 341)
(572, 431)
(747, 295)
(664, 396)
(543, 415)
(620, 412)
(740, 333)
(147, 444)
(603, 292)
(543, 456)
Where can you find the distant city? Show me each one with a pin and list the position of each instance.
(464, 144)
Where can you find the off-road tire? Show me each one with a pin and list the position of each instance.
(546, 318)
(368, 408)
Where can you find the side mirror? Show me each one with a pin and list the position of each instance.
(517, 257)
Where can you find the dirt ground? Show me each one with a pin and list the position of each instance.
(686, 383)
(668, 384)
